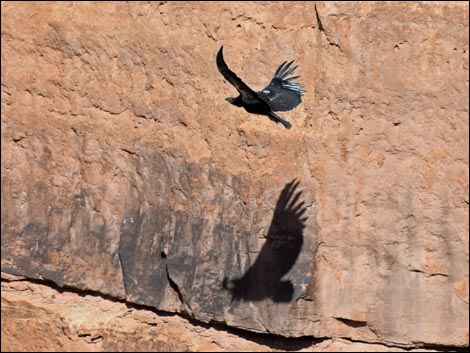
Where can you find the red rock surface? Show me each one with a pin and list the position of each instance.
(69, 321)
(124, 170)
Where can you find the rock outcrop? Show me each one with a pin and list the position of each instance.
(57, 319)
(126, 173)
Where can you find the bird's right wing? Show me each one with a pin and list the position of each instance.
(246, 92)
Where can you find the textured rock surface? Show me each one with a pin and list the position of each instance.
(66, 321)
(89, 323)
(125, 171)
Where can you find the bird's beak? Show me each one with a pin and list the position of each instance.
(230, 99)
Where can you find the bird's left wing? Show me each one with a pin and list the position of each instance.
(246, 92)
(283, 93)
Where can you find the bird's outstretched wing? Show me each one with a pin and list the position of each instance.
(246, 92)
(283, 93)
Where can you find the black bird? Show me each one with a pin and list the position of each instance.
(282, 93)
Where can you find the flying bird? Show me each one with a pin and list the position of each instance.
(282, 93)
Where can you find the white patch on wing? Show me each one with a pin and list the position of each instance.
(293, 87)
(274, 97)
(267, 91)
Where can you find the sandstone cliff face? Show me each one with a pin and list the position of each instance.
(62, 320)
(125, 172)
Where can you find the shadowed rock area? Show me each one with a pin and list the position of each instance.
(126, 173)
(278, 254)
(86, 322)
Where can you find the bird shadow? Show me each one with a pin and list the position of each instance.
(278, 255)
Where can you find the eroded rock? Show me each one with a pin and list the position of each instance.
(124, 170)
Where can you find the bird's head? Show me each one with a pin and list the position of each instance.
(235, 101)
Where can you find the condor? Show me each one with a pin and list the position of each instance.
(282, 93)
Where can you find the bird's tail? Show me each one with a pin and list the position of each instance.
(277, 119)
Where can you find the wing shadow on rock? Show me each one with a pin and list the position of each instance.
(278, 254)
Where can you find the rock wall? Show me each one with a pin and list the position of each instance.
(125, 172)
(67, 320)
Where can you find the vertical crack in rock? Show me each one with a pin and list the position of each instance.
(123, 273)
(174, 286)
(322, 29)
(320, 25)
